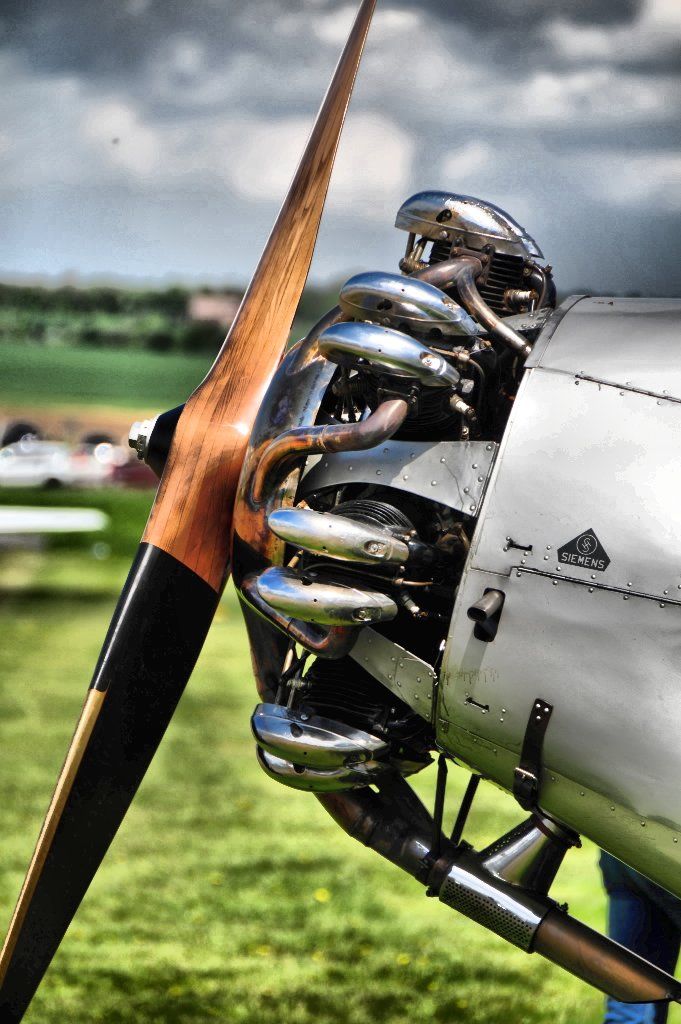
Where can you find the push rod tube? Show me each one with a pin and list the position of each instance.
(461, 273)
(333, 437)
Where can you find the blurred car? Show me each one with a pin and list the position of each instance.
(31, 463)
(133, 473)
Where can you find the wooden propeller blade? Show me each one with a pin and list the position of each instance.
(191, 518)
(170, 596)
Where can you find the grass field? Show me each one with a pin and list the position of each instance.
(224, 896)
(42, 376)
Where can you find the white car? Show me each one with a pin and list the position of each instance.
(30, 463)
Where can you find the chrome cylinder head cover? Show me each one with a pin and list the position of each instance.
(405, 303)
(312, 740)
(386, 351)
(465, 221)
(321, 601)
(338, 537)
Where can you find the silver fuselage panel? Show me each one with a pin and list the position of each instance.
(580, 527)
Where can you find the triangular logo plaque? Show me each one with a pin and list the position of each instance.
(585, 552)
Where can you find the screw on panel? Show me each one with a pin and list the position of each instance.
(473, 508)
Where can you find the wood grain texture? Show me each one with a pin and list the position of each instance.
(191, 517)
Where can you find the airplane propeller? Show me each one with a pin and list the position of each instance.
(169, 599)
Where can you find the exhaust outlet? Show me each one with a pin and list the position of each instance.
(486, 614)
(338, 537)
(325, 603)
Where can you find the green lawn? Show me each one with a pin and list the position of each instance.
(224, 896)
(113, 377)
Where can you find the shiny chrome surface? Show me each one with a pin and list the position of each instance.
(449, 216)
(291, 401)
(403, 302)
(292, 446)
(455, 473)
(405, 675)
(321, 780)
(507, 911)
(311, 740)
(386, 351)
(138, 437)
(461, 272)
(332, 643)
(529, 855)
(323, 602)
(338, 537)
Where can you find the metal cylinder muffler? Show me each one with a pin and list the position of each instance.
(338, 537)
(533, 922)
(321, 601)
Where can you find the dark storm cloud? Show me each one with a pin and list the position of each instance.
(565, 112)
(493, 15)
(116, 38)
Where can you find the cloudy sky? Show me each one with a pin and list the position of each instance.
(155, 139)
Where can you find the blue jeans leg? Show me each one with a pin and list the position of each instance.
(645, 919)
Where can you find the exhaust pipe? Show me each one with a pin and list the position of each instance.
(461, 273)
(489, 605)
(323, 602)
(399, 828)
(486, 614)
(387, 351)
(331, 643)
(338, 537)
(299, 442)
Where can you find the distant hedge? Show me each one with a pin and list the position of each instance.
(103, 317)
